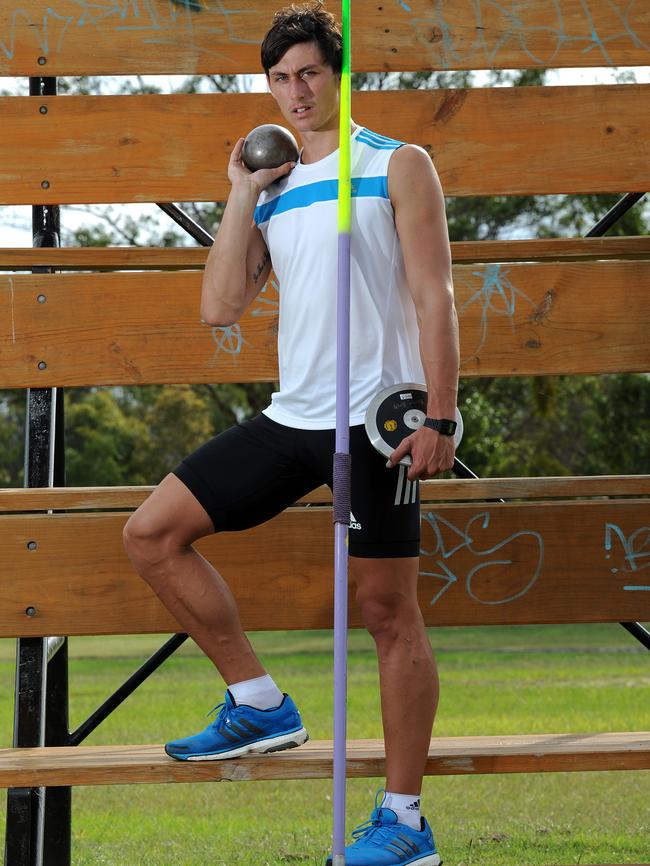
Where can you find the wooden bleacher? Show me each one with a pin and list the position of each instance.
(526, 307)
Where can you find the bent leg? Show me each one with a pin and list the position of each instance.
(158, 539)
(386, 592)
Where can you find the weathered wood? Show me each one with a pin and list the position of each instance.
(448, 756)
(488, 564)
(175, 147)
(214, 36)
(18, 499)
(183, 258)
(517, 319)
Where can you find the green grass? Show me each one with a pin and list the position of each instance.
(527, 679)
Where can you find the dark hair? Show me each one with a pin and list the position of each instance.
(305, 23)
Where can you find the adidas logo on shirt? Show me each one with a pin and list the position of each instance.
(354, 524)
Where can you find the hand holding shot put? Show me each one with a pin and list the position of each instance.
(268, 153)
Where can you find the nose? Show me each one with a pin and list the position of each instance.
(297, 87)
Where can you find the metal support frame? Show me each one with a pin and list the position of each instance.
(606, 222)
(121, 694)
(38, 819)
(186, 222)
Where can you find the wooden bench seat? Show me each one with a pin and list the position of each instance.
(434, 490)
(448, 756)
(183, 258)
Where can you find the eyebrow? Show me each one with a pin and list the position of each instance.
(302, 69)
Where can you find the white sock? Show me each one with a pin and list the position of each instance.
(260, 692)
(405, 806)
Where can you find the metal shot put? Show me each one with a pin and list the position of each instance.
(269, 146)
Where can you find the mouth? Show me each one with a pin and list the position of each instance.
(301, 110)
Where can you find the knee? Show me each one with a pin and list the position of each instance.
(386, 615)
(143, 541)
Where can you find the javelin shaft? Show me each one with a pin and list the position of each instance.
(342, 456)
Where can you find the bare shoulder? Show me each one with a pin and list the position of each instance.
(411, 172)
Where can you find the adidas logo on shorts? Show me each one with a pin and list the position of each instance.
(354, 524)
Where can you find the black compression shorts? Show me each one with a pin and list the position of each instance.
(254, 470)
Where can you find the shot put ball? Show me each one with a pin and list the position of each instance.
(269, 146)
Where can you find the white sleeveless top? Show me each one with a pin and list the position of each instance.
(297, 216)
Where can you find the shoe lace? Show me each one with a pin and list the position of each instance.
(221, 710)
(373, 830)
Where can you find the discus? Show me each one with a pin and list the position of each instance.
(395, 413)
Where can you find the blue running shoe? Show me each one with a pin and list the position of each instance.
(238, 730)
(382, 841)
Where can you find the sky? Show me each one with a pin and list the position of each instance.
(15, 221)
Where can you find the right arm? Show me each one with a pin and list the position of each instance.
(239, 263)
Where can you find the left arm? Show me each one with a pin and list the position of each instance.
(417, 198)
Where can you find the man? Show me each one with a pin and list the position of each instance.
(403, 328)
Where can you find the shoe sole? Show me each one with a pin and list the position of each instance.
(429, 860)
(273, 744)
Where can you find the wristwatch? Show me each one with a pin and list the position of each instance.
(443, 425)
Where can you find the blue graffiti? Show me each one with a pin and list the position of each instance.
(497, 295)
(153, 16)
(465, 541)
(453, 49)
(268, 300)
(228, 339)
(192, 5)
(636, 550)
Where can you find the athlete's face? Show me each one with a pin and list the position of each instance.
(306, 88)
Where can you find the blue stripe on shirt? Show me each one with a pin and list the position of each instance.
(322, 190)
(380, 142)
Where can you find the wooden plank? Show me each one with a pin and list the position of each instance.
(18, 499)
(175, 147)
(448, 756)
(220, 37)
(489, 564)
(516, 319)
(183, 258)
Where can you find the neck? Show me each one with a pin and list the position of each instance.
(317, 145)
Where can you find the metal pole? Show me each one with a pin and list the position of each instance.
(614, 214)
(186, 222)
(605, 223)
(38, 819)
(126, 689)
(342, 468)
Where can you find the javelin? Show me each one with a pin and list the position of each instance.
(342, 468)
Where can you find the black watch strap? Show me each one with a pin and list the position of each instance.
(443, 425)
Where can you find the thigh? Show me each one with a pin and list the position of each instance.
(246, 475)
(388, 579)
(171, 512)
(385, 519)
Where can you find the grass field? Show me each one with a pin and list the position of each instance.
(528, 679)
